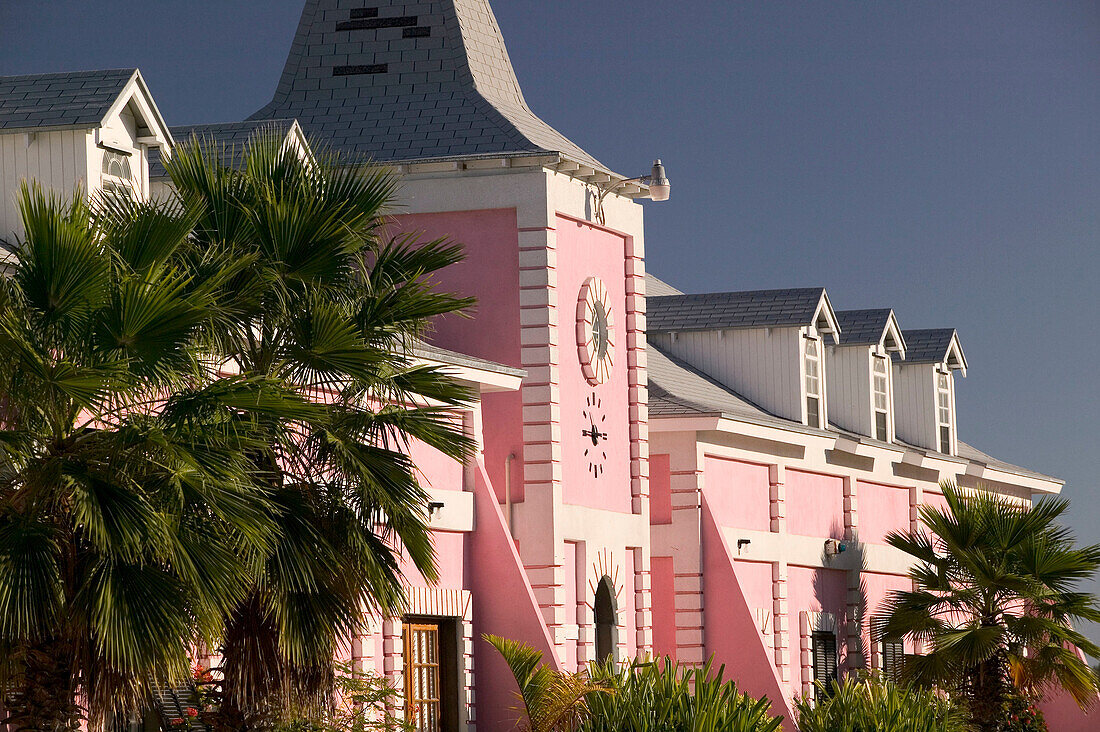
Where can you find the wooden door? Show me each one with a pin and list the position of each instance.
(422, 689)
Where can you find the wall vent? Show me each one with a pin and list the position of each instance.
(360, 69)
(401, 21)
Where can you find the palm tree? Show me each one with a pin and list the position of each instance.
(325, 304)
(129, 525)
(995, 600)
(552, 701)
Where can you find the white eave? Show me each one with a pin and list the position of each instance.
(892, 340)
(137, 93)
(825, 318)
(488, 380)
(556, 162)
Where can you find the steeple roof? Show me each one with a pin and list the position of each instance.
(396, 80)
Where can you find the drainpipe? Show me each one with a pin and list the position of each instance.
(508, 490)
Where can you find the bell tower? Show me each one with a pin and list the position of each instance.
(554, 244)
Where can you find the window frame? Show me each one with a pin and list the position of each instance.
(883, 435)
(814, 400)
(112, 182)
(945, 442)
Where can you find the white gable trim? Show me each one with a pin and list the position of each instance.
(825, 318)
(954, 358)
(892, 332)
(137, 93)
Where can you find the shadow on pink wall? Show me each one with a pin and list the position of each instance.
(731, 634)
(1062, 714)
(504, 604)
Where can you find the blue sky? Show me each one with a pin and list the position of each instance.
(940, 158)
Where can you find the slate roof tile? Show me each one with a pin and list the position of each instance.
(749, 309)
(862, 327)
(463, 56)
(927, 346)
(67, 99)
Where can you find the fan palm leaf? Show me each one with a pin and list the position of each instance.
(995, 601)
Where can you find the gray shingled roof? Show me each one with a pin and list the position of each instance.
(862, 327)
(443, 355)
(655, 287)
(231, 137)
(927, 346)
(975, 455)
(75, 99)
(678, 389)
(405, 80)
(749, 309)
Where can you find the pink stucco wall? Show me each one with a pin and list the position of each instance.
(1062, 714)
(570, 582)
(585, 250)
(660, 489)
(934, 498)
(755, 580)
(731, 633)
(813, 589)
(738, 493)
(627, 610)
(816, 590)
(450, 562)
(882, 509)
(663, 584)
(815, 504)
(875, 589)
(504, 604)
(490, 273)
(435, 469)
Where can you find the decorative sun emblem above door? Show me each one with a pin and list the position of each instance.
(595, 331)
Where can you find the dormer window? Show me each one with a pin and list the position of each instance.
(881, 388)
(117, 177)
(813, 383)
(943, 411)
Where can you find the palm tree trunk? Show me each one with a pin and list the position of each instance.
(987, 689)
(43, 698)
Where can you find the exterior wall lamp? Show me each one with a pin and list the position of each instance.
(659, 188)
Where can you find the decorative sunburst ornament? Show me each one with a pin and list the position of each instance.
(595, 331)
(604, 566)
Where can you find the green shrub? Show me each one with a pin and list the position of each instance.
(1021, 715)
(872, 704)
(664, 696)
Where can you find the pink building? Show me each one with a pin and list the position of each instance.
(691, 475)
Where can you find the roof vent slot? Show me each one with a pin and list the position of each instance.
(360, 69)
(360, 13)
(401, 21)
(418, 32)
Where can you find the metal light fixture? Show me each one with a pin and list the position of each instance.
(659, 188)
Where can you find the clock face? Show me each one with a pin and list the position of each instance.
(593, 434)
(595, 331)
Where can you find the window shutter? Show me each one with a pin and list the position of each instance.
(893, 655)
(823, 645)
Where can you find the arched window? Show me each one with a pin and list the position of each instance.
(116, 165)
(606, 630)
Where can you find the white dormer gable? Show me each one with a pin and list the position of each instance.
(862, 389)
(925, 396)
(766, 345)
(119, 152)
(75, 131)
